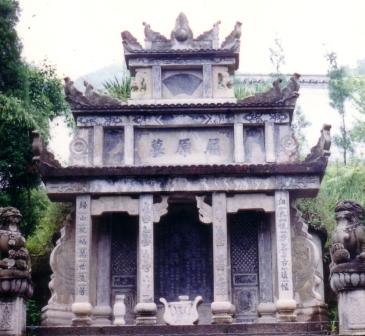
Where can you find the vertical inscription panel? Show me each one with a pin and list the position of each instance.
(243, 229)
(82, 248)
(220, 247)
(183, 255)
(283, 243)
(124, 261)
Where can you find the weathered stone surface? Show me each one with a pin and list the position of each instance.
(62, 262)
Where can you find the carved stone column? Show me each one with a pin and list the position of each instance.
(103, 311)
(285, 304)
(149, 213)
(82, 307)
(222, 308)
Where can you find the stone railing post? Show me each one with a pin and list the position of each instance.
(285, 304)
(15, 281)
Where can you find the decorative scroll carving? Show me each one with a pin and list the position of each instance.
(160, 209)
(232, 41)
(62, 262)
(306, 279)
(321, 151)
(205, 210)
(182, 312)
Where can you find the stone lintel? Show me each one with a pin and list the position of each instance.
(306, 185)
(196, 119)
(104, 204)
(186, 61)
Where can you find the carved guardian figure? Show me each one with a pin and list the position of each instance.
(348, 240)
(14, 257)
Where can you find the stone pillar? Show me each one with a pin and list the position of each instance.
(82, 308)
(98, 146)
(285, 304)
(128, 145)
(146, 308)
(239, 150)
(156, 82)
(103, 311)
(270, 142)
(207, 81)
(222, 308)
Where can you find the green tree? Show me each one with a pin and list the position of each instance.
(29, 98)
(341, 89)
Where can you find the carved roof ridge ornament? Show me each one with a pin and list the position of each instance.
(182, 35)
(321, 151)
(152, 36)
(286, 96)
(232, 41)
(41, 154)
(90, 97)
(181, 38)
(130, 43)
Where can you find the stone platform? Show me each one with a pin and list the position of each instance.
(298, 329)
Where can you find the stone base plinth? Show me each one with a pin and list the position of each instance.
(146, 313)
(222, 312)
(286, 310)
(12, 316)
(102, 315)
(57, 315)
(351, 312)
(266, 312)
(82, 312)
(250, 329)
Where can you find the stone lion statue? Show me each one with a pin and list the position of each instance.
(348, 239)
(14, 257)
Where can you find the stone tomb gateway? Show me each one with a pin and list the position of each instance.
(185, 192)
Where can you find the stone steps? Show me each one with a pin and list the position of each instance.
(277, 329)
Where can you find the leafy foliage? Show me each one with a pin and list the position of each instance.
(29, 98)
(340, 182)
(119, 88)
(243, 89)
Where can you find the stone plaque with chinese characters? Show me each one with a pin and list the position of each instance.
(184, 146)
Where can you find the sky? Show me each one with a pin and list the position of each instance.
(79, 37)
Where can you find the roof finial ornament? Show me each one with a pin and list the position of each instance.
(182, 32)
(232, 41)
